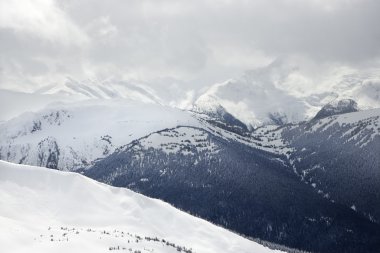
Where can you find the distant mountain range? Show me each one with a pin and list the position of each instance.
(312, 185)
(271, 96)
(274, 94)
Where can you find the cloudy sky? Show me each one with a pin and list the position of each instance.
(196, 43)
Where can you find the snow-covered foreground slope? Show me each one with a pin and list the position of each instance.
(44, 210)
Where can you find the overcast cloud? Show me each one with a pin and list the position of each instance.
(195, 42)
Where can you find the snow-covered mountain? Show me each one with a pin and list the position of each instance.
(252, 155)
(252, 103)
(277, 95)
(336, 155)
(69, 136)
(339, 157)
(192, 168)
(337, 107)
(43, 210)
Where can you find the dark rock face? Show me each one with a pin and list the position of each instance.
(221, 118)
(48, 153)
(336, 108)
(250, 191)
(277, 118)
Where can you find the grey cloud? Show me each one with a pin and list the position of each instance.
(198, 42)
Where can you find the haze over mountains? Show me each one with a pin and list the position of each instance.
(257, 122)
(269, 95)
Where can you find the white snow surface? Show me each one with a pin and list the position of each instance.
(354, 117)
(43, 210)
(84, 131)
(370, 117)
(363, 126)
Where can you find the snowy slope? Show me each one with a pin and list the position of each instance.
(43, 210)
(359, 127)
(73, 135)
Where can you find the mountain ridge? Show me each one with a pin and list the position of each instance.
(196, 155)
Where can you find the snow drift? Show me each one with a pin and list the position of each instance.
(44, 210)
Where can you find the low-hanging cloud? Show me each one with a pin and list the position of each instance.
(196, 42)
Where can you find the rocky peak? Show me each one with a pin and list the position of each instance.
(337, 107)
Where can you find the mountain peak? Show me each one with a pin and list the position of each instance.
(337, 107)
(218, 115)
